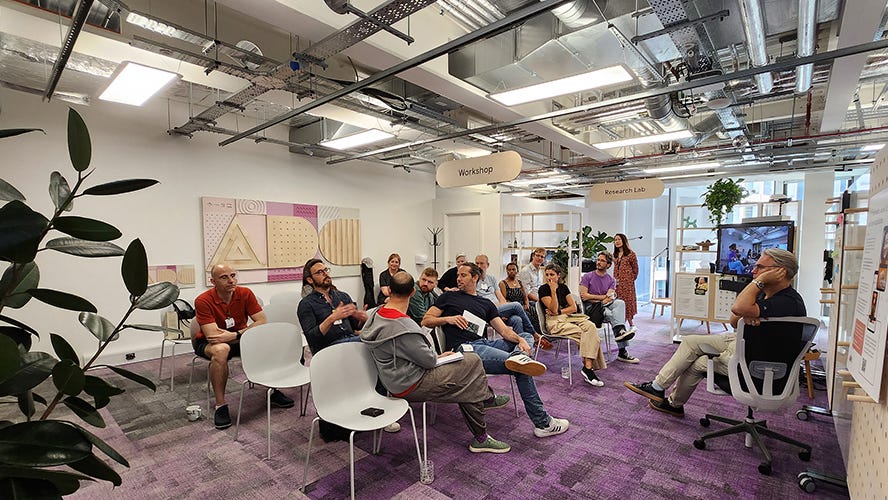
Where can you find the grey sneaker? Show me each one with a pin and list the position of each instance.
(646, 389)
(496, 402)
(522, 363)
(489, 445)
(556, 426)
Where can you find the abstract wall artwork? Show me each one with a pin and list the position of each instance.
(270, 241)
(181, 276)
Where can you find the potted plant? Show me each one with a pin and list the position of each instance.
(42, 457)
(721, 196)
(591, 245)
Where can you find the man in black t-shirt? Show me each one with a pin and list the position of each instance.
(769, 295)
(454, 310)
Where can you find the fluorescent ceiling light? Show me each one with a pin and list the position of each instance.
(134, 84)
(562, 86)
(873, 147)
(520, 193)
(682, 168)
(701, 174)
(355, 140)
(553, 179)
(482, 137)
(645, 139)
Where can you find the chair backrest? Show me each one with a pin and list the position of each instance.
(290, 297)
(281, 312)
(764, 370)
(339, 373)
(438, 339)
(270, 345)
(193, 328)
(541, 314)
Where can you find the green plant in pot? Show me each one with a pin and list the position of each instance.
(42, 457)
(591, 245)
(721, 196)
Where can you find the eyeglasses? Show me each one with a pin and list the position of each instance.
(760, 266)
(325, 270)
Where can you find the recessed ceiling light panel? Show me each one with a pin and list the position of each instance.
(568, 85)
(356, 140)
(134, 84)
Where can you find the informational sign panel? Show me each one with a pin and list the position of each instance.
(496, 167)
(627, 190)
(692, 292)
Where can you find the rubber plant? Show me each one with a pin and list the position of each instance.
(721, 196)
(591, 244)
(41, 456)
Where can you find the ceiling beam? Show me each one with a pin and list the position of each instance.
(77, 22)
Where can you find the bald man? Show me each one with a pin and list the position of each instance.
(222, 313)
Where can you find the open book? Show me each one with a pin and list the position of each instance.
(450, 358)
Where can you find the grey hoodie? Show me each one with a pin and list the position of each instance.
(401, 351)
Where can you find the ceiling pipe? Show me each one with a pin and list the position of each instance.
(754, 26)
(807, 34)
(578, 13)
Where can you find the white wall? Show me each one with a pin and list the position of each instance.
(396, 207)
(812, 240)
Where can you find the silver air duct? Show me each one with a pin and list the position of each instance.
(806, 39)
(578, 13)
(754, 27)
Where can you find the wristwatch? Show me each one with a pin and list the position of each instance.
(759, 284)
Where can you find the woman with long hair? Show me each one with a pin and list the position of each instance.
(385, 277)
(625, 272)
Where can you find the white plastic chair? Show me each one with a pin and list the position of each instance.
(291, 298)
(283, 310)
(343, 382)
(174, 343)
(270, 357)
(555, 339)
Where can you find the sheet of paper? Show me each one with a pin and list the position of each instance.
(476, 324)
(450, 358)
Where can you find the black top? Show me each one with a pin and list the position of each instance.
(786, 302)
(562, 292)
(448, 279)
(453, 304)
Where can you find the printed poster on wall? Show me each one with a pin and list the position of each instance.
(867, 354)
(691, 295)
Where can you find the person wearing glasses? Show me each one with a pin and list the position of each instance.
(328, 316)
(769, 295)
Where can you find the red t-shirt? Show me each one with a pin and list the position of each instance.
(209, 308)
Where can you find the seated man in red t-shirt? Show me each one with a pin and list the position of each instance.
(222, 313)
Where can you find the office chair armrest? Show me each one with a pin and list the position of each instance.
(711, 353)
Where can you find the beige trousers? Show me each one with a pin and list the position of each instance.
(687, 367)
(584, 332)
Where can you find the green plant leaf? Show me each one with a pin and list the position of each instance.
(10, 358)
(60, 192)
(19, 324)
(62, 300)
(96, 386)
(68, 377)
(38, 398)
(11, 132)
(120, 187)
(134, 268)
(87, 229)
(84, 248)
(105, 447)
(35, 368)
(27, 277)
(8, 192)
(158, 296)
(26, 404)
(132, 376)
(99, 326)
(21, 229)
(42, 443)
(20, 488)
(93, 466)
(85, 411)
(153, 328)
(17, 335)
(66, 482)
(63, 349)
(79, 145)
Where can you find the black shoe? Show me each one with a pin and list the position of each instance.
(625, 357)
(278, 400)
(665, 407)
(591, 377)
(646, 389)
(624, 334)
(221, 419)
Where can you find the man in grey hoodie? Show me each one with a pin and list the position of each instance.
(407, 366)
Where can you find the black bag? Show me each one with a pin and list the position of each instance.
(595, 311)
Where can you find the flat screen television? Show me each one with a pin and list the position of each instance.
(741, 245)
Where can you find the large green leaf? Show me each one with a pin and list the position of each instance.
(10, 358)
(158, 296)
(134, 268)
(19, 336)
(105, 447)
(15, 322)
(63, 349)
(132, 376)
(79, 145)
(8, 192)
(96, 468)
(100, 390)
(87, 229)
(59, 191)
(68, 377)
(26, 404)
(18, 279)
(99, 326)
(20, 232)
(120, 187)
(42, 443)
(66, 482)
(35, 368)
(62, 300)
(10, 132)
(84, 248)
(25, 488)
(85, 411)
(153, 328)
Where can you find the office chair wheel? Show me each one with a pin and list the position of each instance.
(805, 455)
(704, 422)
(807, 483)
(699, 444)
(802, 414)
(765, 469)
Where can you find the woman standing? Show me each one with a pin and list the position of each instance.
(625, 272)
(385, 277)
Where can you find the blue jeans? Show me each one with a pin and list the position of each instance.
(493, 354)
(516, 317)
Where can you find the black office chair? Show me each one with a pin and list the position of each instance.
(763, 374)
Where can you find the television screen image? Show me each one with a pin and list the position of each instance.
(741, 245)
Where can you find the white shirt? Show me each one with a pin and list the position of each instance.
(532, 277)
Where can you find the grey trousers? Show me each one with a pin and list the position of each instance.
(462, 382)
(687, 367)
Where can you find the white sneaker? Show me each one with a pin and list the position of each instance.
(522, 363)
(392, 427)
(556, 426)
(633, 329)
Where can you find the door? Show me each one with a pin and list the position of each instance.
(462, 234)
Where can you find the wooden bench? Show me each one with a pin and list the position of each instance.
(663, 303)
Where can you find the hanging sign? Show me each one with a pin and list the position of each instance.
(496, 167)
(627, 190)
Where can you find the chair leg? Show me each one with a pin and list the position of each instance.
(512, 386)
(267, 418)
(724, 420)
(160, 369)
(190, 380)
(304, 404)
(761, 445)
(308, 452)
(172, 367)
(419, 455)
(351, 461)
(737, 429)
(570, 372)
(808, 379)
(780, 437)
(240, 405)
